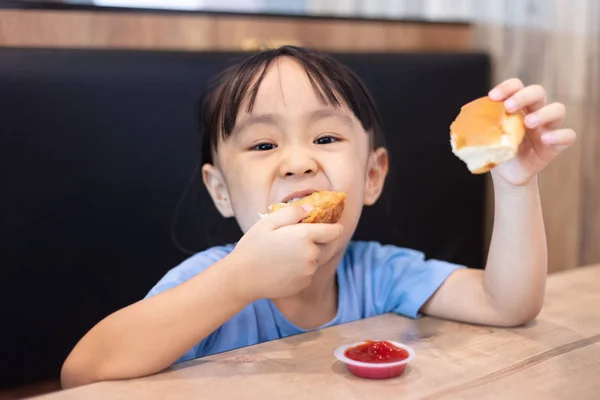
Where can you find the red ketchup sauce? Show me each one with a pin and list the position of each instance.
(377, 352)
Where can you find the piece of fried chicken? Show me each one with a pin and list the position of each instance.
(327, 207)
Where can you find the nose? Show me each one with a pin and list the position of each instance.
(297, 162)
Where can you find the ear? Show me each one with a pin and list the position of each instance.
(215, 184)
(377, 170)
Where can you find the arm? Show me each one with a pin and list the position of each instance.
(148, 336)
(277, 257)
(511, 289)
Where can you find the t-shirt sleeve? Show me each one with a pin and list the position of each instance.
(402, 280)
(183, 272)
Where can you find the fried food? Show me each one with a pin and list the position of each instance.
(327, 206)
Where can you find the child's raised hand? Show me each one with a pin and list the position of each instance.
(278, 256)
(543, 139)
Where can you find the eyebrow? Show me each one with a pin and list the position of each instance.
(329, 112)
(274, 119)
(256, 119)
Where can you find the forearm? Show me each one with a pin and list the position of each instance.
(511, 289)
(150, 335)
(515, 274)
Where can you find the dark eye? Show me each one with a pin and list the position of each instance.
(325, 140)
(264, 147)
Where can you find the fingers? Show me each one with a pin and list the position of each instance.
(506, 89)
(288, 215)
(324, 233)
(550, 116)
(531, 98)
(559, 139)
(518, 97)
(318, 233)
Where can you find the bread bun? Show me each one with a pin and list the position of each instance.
(484, 134)
(327, 207)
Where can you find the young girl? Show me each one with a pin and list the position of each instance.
(281, 125)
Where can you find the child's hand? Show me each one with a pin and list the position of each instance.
(543, 139)
(278, 256)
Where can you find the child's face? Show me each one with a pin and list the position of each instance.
(292, 142)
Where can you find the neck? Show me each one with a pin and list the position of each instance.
(316, 304)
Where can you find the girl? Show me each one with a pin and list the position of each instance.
(281, 125)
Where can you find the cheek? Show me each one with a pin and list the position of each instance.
(348, 175)
(348, 171)
(248, 192)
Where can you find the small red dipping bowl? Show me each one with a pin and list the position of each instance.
(375, 359)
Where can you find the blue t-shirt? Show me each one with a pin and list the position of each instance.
(372, 278)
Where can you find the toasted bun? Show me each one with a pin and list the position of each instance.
(327, 207)
(484, 134)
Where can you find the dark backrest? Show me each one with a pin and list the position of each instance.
(96, 149)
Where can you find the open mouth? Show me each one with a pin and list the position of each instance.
(327, 206)
(294, 200)
(293, 197)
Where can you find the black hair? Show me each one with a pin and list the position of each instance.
(334, 83)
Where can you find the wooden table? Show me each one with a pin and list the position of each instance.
(555, 357)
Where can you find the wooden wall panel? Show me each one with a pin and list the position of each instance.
(555, 43)
(590, 195)
(202, 32)
(590, 165)
(560, 188)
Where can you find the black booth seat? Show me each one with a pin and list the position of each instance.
(96, 149)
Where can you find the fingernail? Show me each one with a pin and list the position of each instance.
(307, 207)
(494, 94)
(532, 120)
(511, 105)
